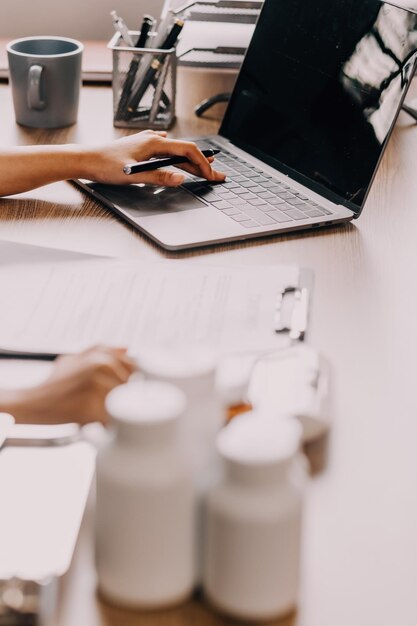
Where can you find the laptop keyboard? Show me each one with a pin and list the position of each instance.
(251, 197)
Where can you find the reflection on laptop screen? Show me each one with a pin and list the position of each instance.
(320, 88)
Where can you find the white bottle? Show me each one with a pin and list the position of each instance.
(194, 372)
(253, 520)
(145, 517)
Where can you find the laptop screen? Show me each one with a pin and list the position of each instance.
(320, 89)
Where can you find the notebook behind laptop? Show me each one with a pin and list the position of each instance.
(314, 105)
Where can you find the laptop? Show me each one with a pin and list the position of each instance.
(311, 113)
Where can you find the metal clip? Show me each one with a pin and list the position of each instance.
(295, 321)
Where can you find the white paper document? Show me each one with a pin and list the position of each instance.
(15, 253)
(69, 306)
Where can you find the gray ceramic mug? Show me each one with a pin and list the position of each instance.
(45, 76)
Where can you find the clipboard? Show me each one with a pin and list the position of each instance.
(54, 309)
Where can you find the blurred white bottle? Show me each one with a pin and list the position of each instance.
(194, 372)
(145, 535)
(253, 519)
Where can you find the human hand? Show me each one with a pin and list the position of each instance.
(105, 163)
(76, 389)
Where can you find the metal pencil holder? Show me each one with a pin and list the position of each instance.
(144, 85)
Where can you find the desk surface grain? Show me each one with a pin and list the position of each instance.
(359, 562)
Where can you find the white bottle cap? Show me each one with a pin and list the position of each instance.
(145, 402)
(254, 439)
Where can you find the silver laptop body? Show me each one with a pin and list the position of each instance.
(304, 132)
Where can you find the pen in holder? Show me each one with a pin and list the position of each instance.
(144, 85)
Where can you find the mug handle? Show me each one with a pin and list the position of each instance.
(35, 100)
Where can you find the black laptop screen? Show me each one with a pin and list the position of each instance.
(320, 89)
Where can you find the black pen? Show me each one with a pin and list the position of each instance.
(28, 356)
(145, 29)
(151, 72)
(154, 164)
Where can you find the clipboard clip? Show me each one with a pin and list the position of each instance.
(291, 312)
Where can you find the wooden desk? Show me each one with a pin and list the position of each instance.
(360, 551)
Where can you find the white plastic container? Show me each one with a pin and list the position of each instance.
(145, 535)
(253, 520)
(294, 381)
(194, 372)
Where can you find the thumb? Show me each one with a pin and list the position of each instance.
(159, 177)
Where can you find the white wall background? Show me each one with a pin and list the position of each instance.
(82, 19)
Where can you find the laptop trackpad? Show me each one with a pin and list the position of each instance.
(148, 200)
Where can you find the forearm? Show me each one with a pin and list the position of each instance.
(28, 167)
(17, 402)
